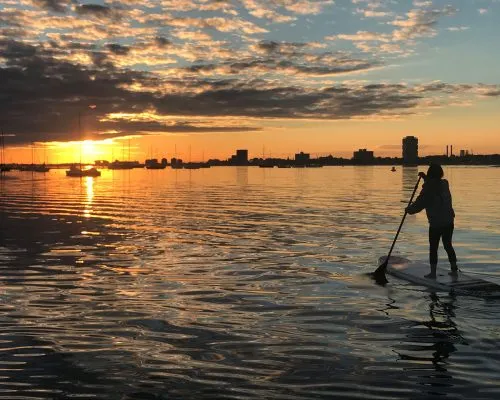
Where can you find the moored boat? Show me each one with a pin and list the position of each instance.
(77, 172)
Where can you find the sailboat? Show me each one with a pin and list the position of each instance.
(77, 171)
(153, 163)
(117, 164)
(35, 167)
(3, 166)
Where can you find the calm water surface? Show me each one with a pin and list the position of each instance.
(239, 283)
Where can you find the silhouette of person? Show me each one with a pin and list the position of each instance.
(435, 197)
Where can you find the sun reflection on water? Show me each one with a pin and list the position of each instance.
(89, 186)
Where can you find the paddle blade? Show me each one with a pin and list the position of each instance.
(379, 274)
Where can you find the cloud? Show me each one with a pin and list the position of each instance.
(204, 66)
(285, 58)
(458, 28)
(363, 36)
(97, 11)
(419, 23)
(58, 6)
(267, 8)
(162, 42)
(53, 92)
(422, 3)
(118, 49)
(271, 65)
(374, 13)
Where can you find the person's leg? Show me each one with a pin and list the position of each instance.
(434, 237)
(448, 246)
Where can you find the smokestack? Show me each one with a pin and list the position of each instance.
(446, 150)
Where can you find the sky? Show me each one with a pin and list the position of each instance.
(199, 79)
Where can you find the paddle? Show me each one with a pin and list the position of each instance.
(379, 274)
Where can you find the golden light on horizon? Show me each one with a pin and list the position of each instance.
(86, 151)
(89, 151)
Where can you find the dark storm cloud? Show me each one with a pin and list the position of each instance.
(122, 127)
(12, 50)
(59, 6)
(118, 49)
(288, 102)
(100, 60)
(271, 47)
(162, 42)
(96, 10)
(53, 92)
(42, 95)
(274, 65)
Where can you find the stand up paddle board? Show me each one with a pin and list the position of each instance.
(413, 271)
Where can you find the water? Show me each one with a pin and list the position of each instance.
(239, 283)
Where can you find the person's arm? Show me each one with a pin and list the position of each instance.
(419, 204)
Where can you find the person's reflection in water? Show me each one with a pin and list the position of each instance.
(443, 329)
(443, 335)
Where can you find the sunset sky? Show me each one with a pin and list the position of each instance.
(200, 78)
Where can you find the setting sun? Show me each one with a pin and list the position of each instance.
(89, 150)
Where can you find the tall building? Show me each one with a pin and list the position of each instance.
(410, 150)
(240, 158)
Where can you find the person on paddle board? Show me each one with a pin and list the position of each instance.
(435, 197)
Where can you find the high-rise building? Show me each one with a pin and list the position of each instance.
(240, 158)
(410, 150)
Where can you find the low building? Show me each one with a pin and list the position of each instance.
(302, 158)
(363, 156)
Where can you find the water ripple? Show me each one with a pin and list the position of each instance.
(238, 283)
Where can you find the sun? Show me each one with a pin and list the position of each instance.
(89, 151)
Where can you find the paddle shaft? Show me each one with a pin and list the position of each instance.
(402, 221)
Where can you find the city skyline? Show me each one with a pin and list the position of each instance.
(409, 154)
(199, 79)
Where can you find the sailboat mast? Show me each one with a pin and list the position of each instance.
(2, 148)
(80, 135)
